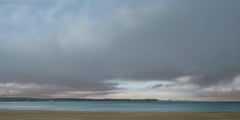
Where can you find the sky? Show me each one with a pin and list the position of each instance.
(133, 49)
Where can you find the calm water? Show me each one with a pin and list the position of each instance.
(141, 106)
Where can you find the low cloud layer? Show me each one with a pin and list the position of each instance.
(74, 48)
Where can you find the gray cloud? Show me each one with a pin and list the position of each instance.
(81, 47)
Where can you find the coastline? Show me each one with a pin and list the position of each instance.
(75, 115)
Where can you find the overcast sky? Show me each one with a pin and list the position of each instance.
(162, 49)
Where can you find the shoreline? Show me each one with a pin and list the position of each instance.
(4, 110)
(78, 115)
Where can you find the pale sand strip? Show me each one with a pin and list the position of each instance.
(67, 115)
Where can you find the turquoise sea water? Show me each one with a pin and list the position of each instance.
(126, 106)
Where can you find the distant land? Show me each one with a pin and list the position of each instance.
(12, 99)
(29, 99)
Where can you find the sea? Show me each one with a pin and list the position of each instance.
(124, 106)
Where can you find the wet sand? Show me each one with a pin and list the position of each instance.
(67, 115)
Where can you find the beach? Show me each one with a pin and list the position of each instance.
(71, 115)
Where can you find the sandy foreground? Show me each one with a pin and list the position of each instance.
(66, 115)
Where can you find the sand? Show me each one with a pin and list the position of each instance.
(66, 115)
